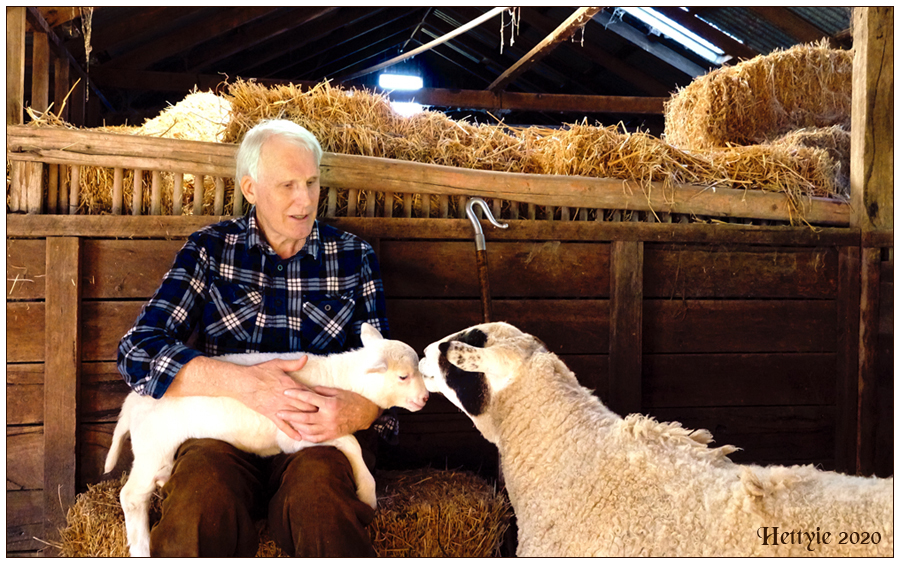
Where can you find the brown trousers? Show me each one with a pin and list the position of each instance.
(216, 494)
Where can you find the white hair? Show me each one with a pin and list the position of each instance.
(251, 146)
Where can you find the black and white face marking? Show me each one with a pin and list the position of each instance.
(471, 388)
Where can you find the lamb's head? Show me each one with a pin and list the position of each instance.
(397, 364)
(471, 367)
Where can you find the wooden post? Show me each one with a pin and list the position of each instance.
(352, 197)
(219, 201)
(62, 202)
(137, 195)
(61, 88)
(34, 187)
(52, 187)
(626, 326)
(155, 193)
(237, 207)
(40, 71)
(872, 196)
(331, 207)
(388, 204)
(75, 190)
(15, 65)
(198, 194)
(61, 379)
(118, 182)
(178, 194)
(847, 360)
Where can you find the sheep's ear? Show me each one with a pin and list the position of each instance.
(369, 334)
(466, 357)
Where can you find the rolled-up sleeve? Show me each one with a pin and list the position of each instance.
(153, 351)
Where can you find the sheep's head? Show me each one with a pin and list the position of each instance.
(471, 367)
(397, 364)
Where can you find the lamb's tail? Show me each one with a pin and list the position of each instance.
(123, 429)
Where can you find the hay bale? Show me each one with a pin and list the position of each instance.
(201, 116)
(757, 100)
(834, 140)
(421, 513)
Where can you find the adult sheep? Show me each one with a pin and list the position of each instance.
(384, 371)
(585, 482)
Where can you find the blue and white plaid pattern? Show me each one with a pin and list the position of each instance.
(228, 292)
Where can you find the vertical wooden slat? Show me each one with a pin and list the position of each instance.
(388, 204)
(61, 88)
(178, 193)
(16, 185)
(198, 194)
(137, 196)
(117, 190)
(75, 190)
(15, 65)
(461, 208)
(426, 206)
(352, 201)
(600, 215)
(331, 207)
(62, 201)
(626, 326)
(155, 193)
(219, 202)
(61, 379)
(514, 210)
(532, 211)
(34, 187)
(370, 203)
(847, 359)
(407, 205)
(40, 71)
(237, 207)
(867, 410)
(52, 187)
(496, 207)
(444, 204)
(582, 214)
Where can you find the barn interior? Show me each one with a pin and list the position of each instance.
(759, 307)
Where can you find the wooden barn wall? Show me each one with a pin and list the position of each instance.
(750, 333)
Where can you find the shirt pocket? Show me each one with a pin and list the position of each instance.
(326, 321)
(230, 315)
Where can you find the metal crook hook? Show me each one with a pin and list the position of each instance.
(479, 234)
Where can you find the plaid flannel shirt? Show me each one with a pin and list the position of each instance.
(229, 292)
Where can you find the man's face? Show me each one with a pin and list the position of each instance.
(286, 194)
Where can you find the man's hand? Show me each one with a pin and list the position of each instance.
(267, 392)
(331, 413)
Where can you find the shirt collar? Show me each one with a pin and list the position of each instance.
(255, 237)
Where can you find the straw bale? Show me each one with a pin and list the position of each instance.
(757, 100)
(201, 116)
(835, 140)
(421, 513)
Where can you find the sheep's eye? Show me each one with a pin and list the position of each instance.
(404, 377)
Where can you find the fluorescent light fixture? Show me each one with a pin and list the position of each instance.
(399, 82)
(673, 30)
(407, 109)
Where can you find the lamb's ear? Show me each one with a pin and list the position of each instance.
(379, 366)
(369, 334)
(466, 357)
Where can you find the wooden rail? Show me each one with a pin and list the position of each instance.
(30, 147)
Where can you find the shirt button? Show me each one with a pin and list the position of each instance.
(327, 308)
(280, 268)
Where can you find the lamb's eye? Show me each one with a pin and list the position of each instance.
(404, 377)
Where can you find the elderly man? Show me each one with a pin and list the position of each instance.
(274, 280)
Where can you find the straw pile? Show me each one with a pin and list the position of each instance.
(756, 101)
(201, 116)
(421, 513)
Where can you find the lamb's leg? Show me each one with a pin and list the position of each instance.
(365, 482)
(135, 500)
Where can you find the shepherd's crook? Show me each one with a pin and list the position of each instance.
(481, 254)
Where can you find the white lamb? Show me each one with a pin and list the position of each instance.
(585, 482)
(384, 371)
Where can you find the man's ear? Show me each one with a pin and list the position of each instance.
(368, 334)
(248, 187)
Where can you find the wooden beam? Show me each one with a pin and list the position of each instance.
(178, 40)
(708, 32)
(61, 378)
(485, 99)
(563, 32)
(626, 281)
(391, 175)
(659, 51)
(790, 23)
(847, 362)
(252, 34)
(15, 65)
(58, 16)
(610, 62)
(40, 71)
(872, 114)
(61, 87)
(36, 20)
(460, 30)
(867, 411)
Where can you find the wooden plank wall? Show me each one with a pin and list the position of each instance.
(743, 331)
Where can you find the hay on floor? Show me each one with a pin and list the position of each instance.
(421, 513)
(758, 100)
